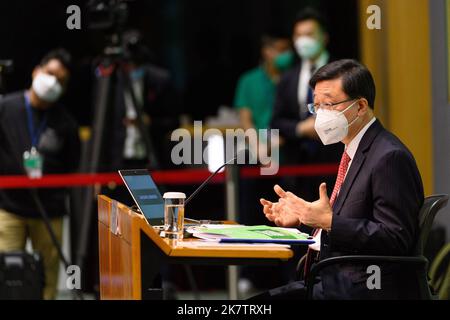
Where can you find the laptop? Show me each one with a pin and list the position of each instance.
(145, 194)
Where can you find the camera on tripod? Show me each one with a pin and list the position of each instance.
(109, 16)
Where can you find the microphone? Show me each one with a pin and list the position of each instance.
(244, 153)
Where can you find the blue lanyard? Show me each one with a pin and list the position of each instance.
(34, 134)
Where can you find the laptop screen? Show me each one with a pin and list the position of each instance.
(145, 194)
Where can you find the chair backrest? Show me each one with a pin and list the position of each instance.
(430, 208)
(440, 273)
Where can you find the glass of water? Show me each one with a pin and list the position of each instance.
(174, 215)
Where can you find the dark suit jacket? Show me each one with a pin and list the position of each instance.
(375, 213)
(286, 115)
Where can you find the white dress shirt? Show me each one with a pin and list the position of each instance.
(305, 76)
(134, 146)
(351, 149)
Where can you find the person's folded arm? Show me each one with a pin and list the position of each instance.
(246, 118)
(397, 197)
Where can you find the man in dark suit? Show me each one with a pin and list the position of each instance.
(291, 114)
(299, 141)
(378, 193)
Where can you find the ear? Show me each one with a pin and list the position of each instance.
(35, 71)
(363, 106)
(265, 53)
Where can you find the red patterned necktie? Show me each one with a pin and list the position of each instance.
(343, 166)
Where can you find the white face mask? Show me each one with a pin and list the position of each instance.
(47, 87)
(332, 125)
(307, 47)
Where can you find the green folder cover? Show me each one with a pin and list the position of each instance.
(253, 234)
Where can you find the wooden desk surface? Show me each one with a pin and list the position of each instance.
(174, 250)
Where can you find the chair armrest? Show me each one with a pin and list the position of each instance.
(316, 268)
(300, 266)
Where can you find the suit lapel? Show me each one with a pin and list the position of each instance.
(356, 164)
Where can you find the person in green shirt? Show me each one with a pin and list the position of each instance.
(255, 91)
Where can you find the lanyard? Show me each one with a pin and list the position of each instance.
(34, 134)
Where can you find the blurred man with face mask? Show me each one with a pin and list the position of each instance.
(38, 136)
(300, 142)
(310, 39)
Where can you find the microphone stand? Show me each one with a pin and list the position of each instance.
(207, 180)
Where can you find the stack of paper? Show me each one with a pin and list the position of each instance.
(251, 234)
(214, 244)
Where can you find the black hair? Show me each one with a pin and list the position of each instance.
(60, 54)
(270, 39)
(310, 13)
(357, 81)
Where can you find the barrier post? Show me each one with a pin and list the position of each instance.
(232, 205)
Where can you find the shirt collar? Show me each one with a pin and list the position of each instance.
(352, 147)
(321, 61)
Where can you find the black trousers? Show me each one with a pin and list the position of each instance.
(292, 291)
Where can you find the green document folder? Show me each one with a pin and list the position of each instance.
(253, 234)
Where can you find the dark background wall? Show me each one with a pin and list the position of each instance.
(205, 44)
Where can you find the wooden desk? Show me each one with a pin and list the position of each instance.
(132, 253)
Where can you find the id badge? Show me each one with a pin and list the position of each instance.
(33, 163)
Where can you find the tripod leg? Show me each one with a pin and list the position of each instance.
(91, 163)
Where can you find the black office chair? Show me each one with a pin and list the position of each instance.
(417, 262)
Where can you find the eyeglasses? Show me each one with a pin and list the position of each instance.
(314, 107)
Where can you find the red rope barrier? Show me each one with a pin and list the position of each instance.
(185, 176)
(303, 170)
